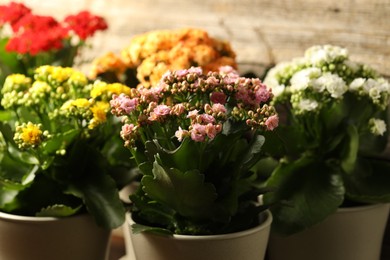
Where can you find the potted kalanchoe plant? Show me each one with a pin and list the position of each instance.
(29, 40)
(195, 138)
(60, 154)
(331, 138)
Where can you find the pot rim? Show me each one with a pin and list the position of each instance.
(263, 225)
(362, 207)
(21, 218)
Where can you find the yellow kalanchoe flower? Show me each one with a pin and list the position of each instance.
(78, 79)
(101, 88)
(99, 111)
(16, 82)
(72, 104)
(28, 135)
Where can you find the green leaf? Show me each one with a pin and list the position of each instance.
(18, 155)
(58, 211)
(349, 154)
(7, 197)
(40, 193)
(59, 140)
(138, 228)
(6, 115)
(306, 192)
(252, 152)
(185, 157)
(94, 185)
(102, 200)
(369, 182)
(22, 156)
(9, 62)
(14, 174)
(185, 192)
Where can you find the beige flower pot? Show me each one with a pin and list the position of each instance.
(354, 233)
(245, 245)
(46, 238)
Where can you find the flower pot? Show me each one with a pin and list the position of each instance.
(47, 238)
(249, 244)
(354, 233)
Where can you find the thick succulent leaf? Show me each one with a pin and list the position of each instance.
(58, 210)
(138, 228)
(94, 185)
(351, 147)
(369, 182)
(252, 152)
(306, 192)
(102, 200)
(16, 173)
(7, 196)
(185, 192)
(186, 157)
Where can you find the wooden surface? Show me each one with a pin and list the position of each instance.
(261, 31)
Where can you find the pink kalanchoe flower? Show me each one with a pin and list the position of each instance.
(262, 94)
(218, 97)
(150, 94)
(272, 122)
(212, 81)
(228, 70)
(159, 112)
(178, 109)
(206, 119)
(127, 133)
(198, 132)
(219, 108)
(123, 105)
(196, 70)
(192, 114)
(212, 130)
(180, 134)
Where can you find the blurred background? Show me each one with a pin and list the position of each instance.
(262, 32)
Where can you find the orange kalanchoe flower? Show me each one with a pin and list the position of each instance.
(152, 54)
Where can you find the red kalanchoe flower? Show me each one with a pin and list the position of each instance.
(35, 23)
(34, 42)
(12, 13)
(84, 24)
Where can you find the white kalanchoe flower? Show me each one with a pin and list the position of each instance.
(305, 105)
(377, 126)
(304, 78)
(357, 84)
(273, 84)
(334, 84)
(320, 55)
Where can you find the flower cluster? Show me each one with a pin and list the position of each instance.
(58, 124)
(325, 76)
(196, 104)
(35, 40)
(331, 136)
(151, 54)
(202, 131)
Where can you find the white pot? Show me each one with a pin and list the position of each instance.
(354, 233)
(249, 244)
(47, 238)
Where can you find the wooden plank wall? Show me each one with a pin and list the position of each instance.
(262, 32)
